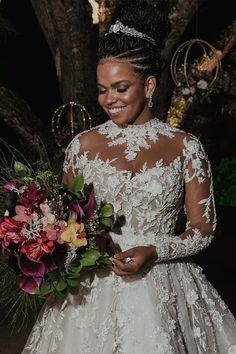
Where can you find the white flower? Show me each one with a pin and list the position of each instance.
(186, 91)
(202, 84)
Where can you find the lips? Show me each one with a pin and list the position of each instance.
(115, 110)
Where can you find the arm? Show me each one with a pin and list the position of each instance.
(70, 162)
(199, 206)
(200, 211)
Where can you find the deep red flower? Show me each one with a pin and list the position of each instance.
(35, 249)
(33, 196)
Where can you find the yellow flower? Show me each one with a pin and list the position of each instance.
(75, 234)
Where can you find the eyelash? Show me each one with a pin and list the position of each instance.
(119, 90)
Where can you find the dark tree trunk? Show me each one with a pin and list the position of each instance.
(67, 26)
(37, 141)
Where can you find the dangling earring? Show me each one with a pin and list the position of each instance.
(150, 102)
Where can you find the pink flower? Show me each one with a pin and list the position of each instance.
(192, 89)
(24, 214)
(10, 186)
(55, 230)
(10, 230)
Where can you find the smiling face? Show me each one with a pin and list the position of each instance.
(123, 93)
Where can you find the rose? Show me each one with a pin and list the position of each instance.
(202, 84)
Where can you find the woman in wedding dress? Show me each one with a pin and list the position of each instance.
(155, 299)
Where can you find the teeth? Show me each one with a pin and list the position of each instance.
(115, 109)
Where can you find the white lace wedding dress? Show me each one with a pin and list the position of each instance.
(148, 172)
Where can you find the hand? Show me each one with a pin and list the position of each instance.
(139, 256)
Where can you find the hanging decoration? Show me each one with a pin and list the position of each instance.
(195, 77)
(68, 120)
(194, 74)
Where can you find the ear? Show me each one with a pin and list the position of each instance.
(150, 85)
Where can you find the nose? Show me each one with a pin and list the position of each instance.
(110, 97)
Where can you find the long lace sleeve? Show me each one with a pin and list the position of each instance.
(199, 206)
(70, 162)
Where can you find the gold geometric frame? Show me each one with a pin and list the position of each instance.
(69, 108)
(205, 46)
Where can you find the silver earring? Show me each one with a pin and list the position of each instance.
(150, 101)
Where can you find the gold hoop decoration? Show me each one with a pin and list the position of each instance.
(209, 55)
(77, 119)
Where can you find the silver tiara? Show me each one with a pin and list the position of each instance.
(120, 27)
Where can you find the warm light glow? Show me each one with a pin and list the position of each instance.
(95, 10)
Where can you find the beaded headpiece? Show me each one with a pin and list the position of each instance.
(120, 27)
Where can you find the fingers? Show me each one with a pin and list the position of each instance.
(121, 268)
(125, 254)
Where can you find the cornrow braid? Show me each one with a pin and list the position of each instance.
(142, 55)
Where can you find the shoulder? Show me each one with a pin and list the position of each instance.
(182, 141)
(83, 141)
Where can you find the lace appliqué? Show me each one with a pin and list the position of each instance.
(134, 136)
(179, 248)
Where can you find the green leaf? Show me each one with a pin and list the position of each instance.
(77, 269)
(107, 210)
(73, 283)
(53, 276)
(21, 169)
(46, 288)
(107, 222)
(89, 258)
(61, 285)
(37, 291)
(77, 184)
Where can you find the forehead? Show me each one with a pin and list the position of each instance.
(113, 71)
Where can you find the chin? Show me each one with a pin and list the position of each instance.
(120, 121)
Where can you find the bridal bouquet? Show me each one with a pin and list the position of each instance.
(50, 233)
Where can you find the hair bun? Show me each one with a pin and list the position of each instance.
(151, 20)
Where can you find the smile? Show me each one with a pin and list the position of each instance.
(115, 109)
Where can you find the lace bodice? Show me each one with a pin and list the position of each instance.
(149, 173)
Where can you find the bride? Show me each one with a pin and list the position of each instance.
(155, 299)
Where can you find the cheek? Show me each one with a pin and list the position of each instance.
(101, 100)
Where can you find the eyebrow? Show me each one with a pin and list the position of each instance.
(116, 83)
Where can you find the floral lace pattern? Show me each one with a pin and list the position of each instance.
(173, 308)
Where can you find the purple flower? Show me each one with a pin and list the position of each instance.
(31, 273)
(89, 207)
(29, 284)
(106, 244)
(84, 208)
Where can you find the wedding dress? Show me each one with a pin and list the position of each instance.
(148, 172)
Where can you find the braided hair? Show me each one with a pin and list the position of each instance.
(143, 55)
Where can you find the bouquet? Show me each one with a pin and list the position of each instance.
(50, 233)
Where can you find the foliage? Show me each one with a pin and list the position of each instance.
(224, 177)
